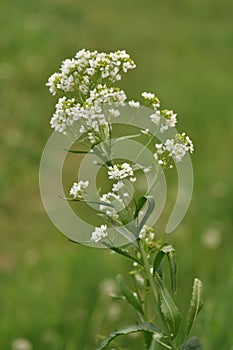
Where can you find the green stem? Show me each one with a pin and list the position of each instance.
(148, 273)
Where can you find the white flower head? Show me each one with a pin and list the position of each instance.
(151, 100)
(176, 148)
(99, 233)
(148, 95)
(120, 171)
(145, 131)
(114, 112)
(155, 117)
(118, 186)
(134, 104)
(78, 189)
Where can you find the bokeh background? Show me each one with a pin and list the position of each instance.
(53, 292)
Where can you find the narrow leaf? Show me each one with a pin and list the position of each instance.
(168, 308)
(122, 252)
(86, 201)
(139, 205)
(136, 327)
(150, 208)
(196, 304)
(128, 294)
(157, 260)
(169, 251)
(127, 137)
(77, 151)
(173, 268)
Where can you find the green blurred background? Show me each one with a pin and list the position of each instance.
(52, 292)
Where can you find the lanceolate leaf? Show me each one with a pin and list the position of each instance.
(173, 268)
(150, 208)
(140, 204)
(77, 151)
(169, 251)
(122, 252)
(157, 260)
(195, 305)
(136, 327)
(128, 294)
(168, 308)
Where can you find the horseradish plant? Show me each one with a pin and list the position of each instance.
(91, 103)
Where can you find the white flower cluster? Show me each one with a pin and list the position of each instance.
(90, 114)
(165, 119)
(86, 77)
(151, 100)
(114, 204)
(134, 104)
(175, 148)
(114, 199)
(147, 234)
(121, 171)
(78, 189)
(99, 233)
(87, 67)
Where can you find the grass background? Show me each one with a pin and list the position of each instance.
(51, 291)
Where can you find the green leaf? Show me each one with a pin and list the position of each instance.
(196, 304)
(192, 344)
(172, 267)
(86, 201)
(127, 137)
(136, 327)
(169, 251)
(77, 151)
(150, 208)
(157, 260)
(122, 252)
(129, 295)
(169, 311)
(139, 205)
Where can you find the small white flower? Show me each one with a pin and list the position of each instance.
(142, 233)
(91, 138)
(114, 112)
(134, 104)
(109, 197)
(119, 185)
(120, 171)
(146, 170)
(145, 131)
(125, 194)
(148, 95)
(78, 189)
(155, 117)
(177, 150)
(90, 71)
(99, 233)
(132, 179)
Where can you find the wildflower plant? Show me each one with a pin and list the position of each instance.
(100, 119)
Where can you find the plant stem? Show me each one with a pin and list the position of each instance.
(148, 273)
